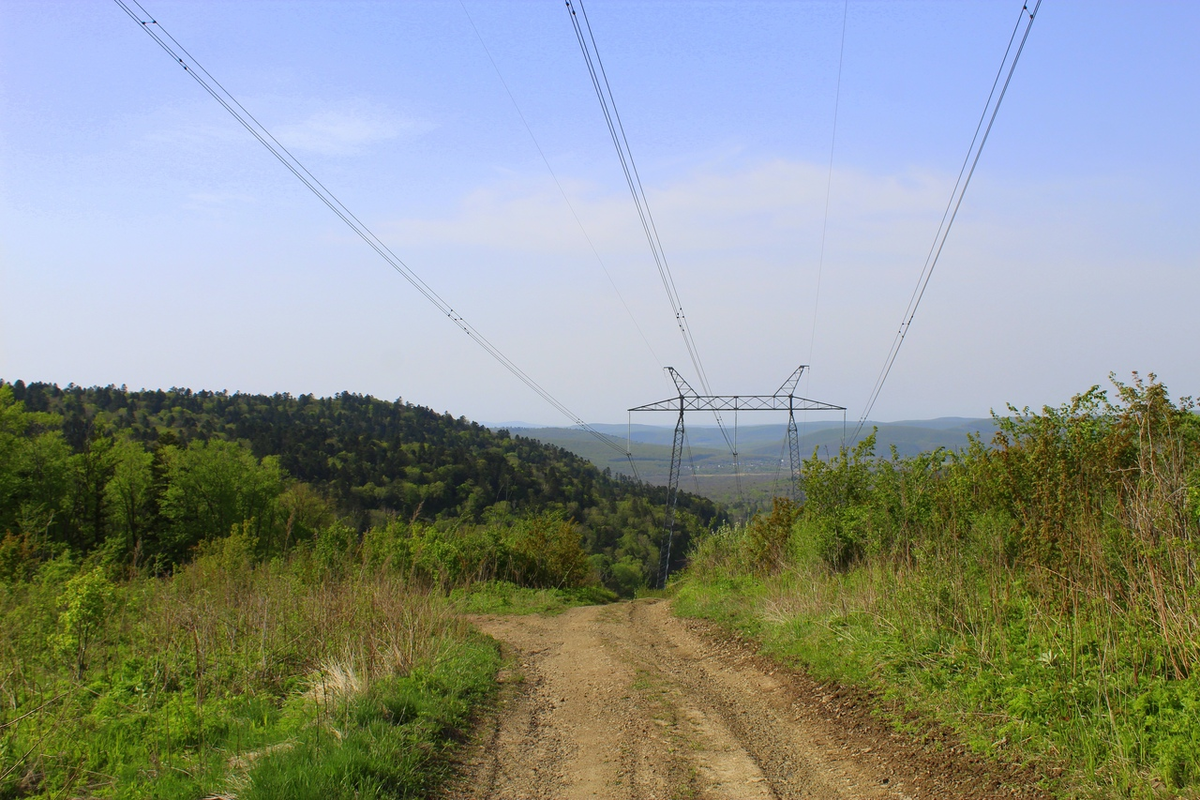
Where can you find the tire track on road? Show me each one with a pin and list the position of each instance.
(627, 702)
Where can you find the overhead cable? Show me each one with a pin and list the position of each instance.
(227, 101)
(990, 110)
(561, 190)
(837, 101)
(595, 66)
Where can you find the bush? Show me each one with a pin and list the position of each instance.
(767, 538)
(547, 551)
(1038, 595)
(83, 606)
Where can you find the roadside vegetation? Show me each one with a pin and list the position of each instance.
(344, 669)
(1038, 593)
(310, 677)
(189, 620)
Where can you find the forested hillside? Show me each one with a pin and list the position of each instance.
(146, 476)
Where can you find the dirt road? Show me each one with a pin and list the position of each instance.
(627, 701)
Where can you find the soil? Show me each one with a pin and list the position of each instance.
(629, 701)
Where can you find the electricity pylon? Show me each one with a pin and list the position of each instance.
(784, 399)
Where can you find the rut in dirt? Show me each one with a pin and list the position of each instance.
(627, 701)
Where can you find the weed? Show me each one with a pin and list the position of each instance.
(503, 597)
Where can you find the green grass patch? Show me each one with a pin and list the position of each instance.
(1017, 682)
(391, 742)
(503, 597)
(254, 681)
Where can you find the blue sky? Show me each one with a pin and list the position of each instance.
(146, 239)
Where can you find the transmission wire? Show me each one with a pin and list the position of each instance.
(837, 101)
(779, 465)
(293, 165)
(825, 223)
(616, 129)
(537, 145)
(954, 203)
(562, 191)
(687, 443)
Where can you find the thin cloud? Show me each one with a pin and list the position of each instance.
(773, 203)
(345, 132)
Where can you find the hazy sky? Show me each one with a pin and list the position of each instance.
(146, 239)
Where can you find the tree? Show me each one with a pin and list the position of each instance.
(212, 486)
(33, 467)
(130, 496)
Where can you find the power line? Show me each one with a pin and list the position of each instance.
(206, 81)
(612, 117)
(956, 198)
(837, 101)
(561, 190)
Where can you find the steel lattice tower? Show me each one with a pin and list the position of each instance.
(784, 399)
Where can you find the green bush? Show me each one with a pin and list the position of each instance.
(83, 606)
(1038, 595)
(182, 687)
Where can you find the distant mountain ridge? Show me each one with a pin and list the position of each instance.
(762, 448)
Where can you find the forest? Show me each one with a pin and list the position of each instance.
(142, 478)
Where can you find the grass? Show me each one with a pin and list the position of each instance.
(503, 597)
(1019, 676)
(275, 680)
(386, 742)
(1040, 595)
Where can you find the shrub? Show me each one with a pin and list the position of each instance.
(83, 604)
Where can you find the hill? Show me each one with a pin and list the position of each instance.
(187, 465)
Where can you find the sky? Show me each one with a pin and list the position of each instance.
(146, 239)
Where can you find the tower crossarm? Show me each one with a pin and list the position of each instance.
(735, 402)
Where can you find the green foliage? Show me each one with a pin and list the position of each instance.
(130, 498)
(1051, 467)
(83, 604)
(767, 536)
(542, 551)
(20, 554)
(547, 551)
(212, 486)
(334, 549)
(1038, 595)
(625, 576)
(33, 467)
(505, 597)
(304, 511)
(393, 738)
(838, 496)
(232, 555)
(232, 678)
(144, 477)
